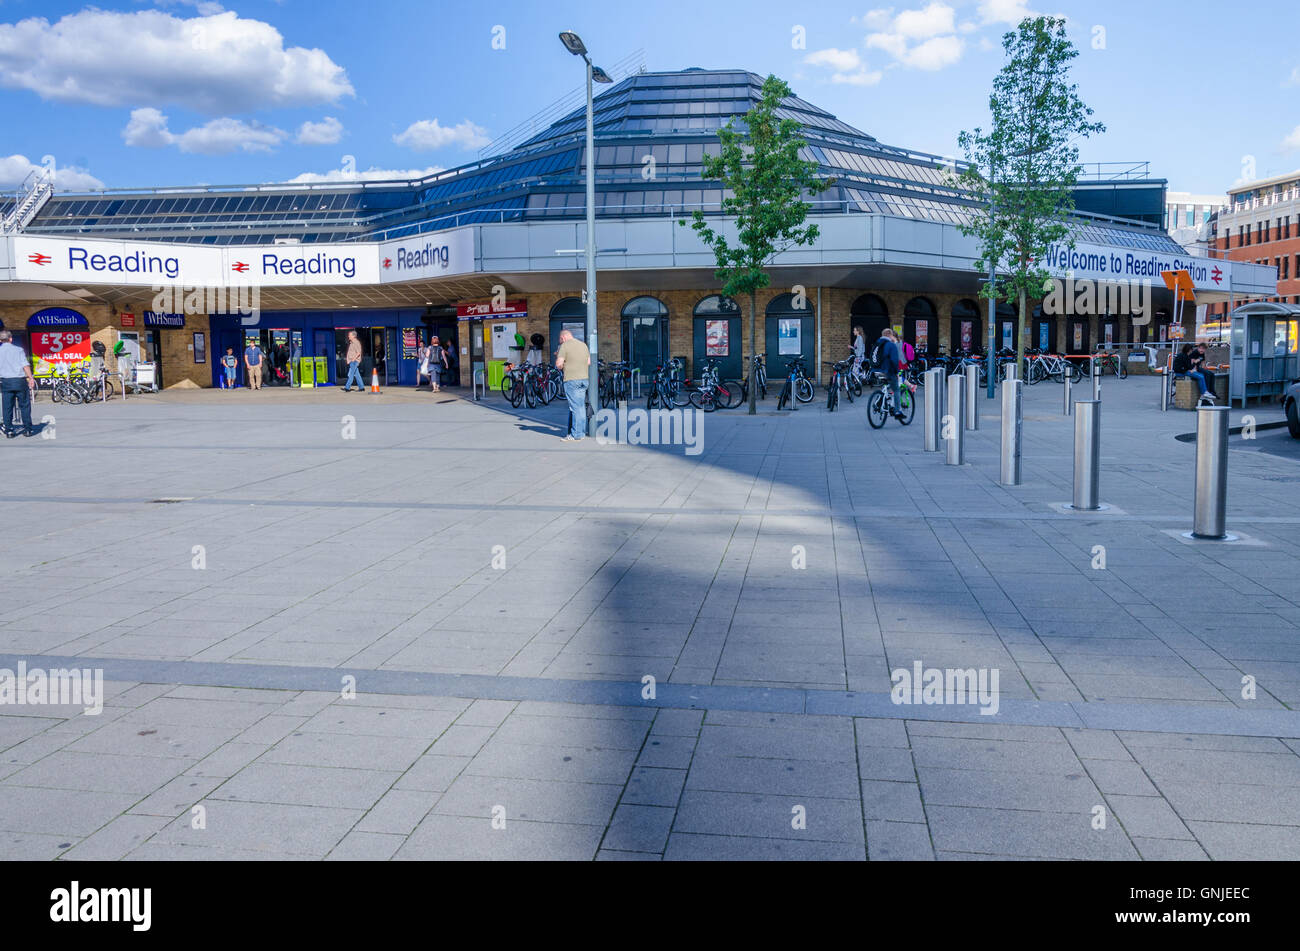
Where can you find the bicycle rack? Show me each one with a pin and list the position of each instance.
(636, 383)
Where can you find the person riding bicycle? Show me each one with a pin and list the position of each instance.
(885, 360)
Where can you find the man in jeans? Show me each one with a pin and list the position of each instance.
(16, 382)
(354, 363)
(885, 358)
(575, 360)
(253, 365)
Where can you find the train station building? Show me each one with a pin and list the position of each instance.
(495, 248)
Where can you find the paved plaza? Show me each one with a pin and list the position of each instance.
(415, 626)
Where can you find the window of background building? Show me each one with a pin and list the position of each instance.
(1191, 216)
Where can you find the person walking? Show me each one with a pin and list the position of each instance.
(253, 362)
(353, 359)
(16, 384)
(574, 359)
(437, 364)
(859, 350)
(230, 366)
(423, 369)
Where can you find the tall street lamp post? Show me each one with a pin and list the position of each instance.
(573, 43)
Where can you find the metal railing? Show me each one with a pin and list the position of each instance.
(30, 197)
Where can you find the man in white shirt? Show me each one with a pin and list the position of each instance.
(16, 383)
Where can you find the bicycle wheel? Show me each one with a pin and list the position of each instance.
(856, 386)
(784, 399)
(907, 406)
(803, 390)
(516, 395)
(832, 394)
(736, 393)
(507, 385)
(1076, 371)
(876, 411)
(1123, 371)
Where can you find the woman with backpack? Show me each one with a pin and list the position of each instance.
(437, 363)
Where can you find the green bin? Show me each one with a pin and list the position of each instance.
(306, 371)
(496, 372)
(322, 370)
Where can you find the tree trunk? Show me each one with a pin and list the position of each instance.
(753, 352)
(1023, 335)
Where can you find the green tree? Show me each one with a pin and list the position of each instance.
(764, 182)
(1026, 165)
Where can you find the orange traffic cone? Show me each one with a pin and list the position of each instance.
(374, 381)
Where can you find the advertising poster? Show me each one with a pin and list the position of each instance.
(788, 337)
(68, 348)
(410, 344)
(1042, 337)
(200, 348)
(1007, 341)
(717, 338)
(1078, 336)
(922, 336)
(1110, 334)
(966, 329)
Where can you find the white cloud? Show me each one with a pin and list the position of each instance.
(370, 174)
(846, 66)
(1005, 11)
(326, 132)
(427, 135)
(1292, 142)
(842, 61)
(15, 168)
(922, 39)
(933, 20)
(147, 128)
(212, 64)
(875, 19)
(1295, 77)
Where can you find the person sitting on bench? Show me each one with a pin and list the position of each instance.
(1183, 367)
(1198, 364)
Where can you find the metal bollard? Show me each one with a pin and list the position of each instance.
(1087, 455)
(972, 396)
(1211, 497)
(1096, 379)
(1068, 377)
(933, 408)
(953, 418)
(1010, 371)
(1166, 384)
(1012, 420)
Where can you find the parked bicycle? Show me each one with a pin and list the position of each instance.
(797, 385)
(842, 378)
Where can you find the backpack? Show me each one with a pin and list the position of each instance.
(878, 354)
(909, 353)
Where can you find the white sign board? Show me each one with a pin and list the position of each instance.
(1091, 262)
(425, 256)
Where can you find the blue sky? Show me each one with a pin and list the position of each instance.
(193, 91)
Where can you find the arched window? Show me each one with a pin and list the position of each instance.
(869, 305)
(717, 305)
(871, 314)
(790, 332)
(966, 326)
(568, 313)
(645, 334)
(716, 335)
(919, 307)
(645, 307)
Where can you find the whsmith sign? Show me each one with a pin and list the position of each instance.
(1091, 262)
(87, 261)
